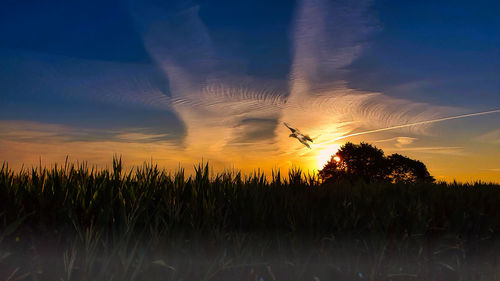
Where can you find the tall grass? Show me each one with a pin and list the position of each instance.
(75, 222)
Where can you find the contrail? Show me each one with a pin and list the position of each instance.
(414, 124)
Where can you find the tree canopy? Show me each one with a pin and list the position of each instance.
(368, 163)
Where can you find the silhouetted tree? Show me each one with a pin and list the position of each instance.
(405, 170)
(332, 171)
(368, 163)
(356, 161)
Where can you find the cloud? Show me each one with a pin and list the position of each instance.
(445, 150)
(26, 143)
(255, 129)
(492, 169)
(398, 141)
(228, 115)
(31, 131)
(223, 111)
(328, 36)
(405, 140)
(38, 132)
(492, 137)
(46, 77)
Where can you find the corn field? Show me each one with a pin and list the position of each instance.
(76, 222)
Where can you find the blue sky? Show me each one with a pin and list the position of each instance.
(450, 47)
(170, 73)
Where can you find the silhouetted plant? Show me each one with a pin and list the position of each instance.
(405, 170)
(76, 222)
(367, 163)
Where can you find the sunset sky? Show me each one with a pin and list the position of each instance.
(180, 81)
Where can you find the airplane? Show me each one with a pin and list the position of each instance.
(298, 135)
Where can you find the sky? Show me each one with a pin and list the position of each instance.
(178, 82)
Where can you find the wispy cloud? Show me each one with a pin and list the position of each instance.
(227, 114)
(492, 137)
(445, 150)
(329, 36)
(493, 169)
(38, 132)
(111, 83)
(398, 141)
(223, 112)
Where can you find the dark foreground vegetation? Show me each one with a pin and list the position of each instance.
(79, 223)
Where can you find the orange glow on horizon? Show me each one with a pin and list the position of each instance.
(25, 144)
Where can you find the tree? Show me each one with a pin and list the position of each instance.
(368, 163)
(332, 171)
(405, 170)
(356, 161)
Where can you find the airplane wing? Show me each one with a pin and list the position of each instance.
(304, 143)
(306, 137)
(288, 126)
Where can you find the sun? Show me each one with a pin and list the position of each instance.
(325, 155)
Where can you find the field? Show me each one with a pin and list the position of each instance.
(74, 222)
